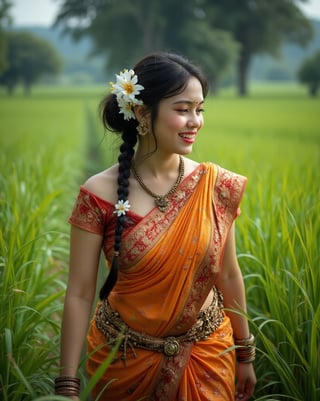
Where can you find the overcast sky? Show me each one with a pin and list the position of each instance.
(43, 12)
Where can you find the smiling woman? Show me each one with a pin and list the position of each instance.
(165, 225)
(179, 119)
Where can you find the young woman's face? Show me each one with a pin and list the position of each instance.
(180, 119)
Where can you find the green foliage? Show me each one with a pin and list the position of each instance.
(214, 50)
(309, 73)
(280, 258)
(3, 53)
(38, 148)
(29, 57)
(139, 27)
(210, 33)
(260, 27)
(5, 6)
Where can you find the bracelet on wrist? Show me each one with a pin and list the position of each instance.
(67, 386)
(245, 349)
(245, 341)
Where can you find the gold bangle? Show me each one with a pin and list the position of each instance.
(67, 386)
(67, 378)
(245, 349)
(245, 341)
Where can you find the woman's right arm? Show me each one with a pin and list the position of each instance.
(85, 248)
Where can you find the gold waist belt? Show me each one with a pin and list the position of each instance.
(112, 326)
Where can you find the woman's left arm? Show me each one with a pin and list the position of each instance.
(230, 283)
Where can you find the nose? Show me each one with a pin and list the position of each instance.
(195, 121)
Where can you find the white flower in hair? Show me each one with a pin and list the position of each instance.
(125, 109)
(126, 88)
(121, 207)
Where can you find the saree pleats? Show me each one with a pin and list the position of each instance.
(169, 263)
(209, 374)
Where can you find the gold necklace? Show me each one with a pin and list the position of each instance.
(161, 201)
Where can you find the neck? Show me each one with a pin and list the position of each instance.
(161, 199)
(156, 164)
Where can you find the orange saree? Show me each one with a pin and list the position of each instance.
(169, 264)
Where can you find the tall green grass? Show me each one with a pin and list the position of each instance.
(42, 145)
(53, 140)
(280, 258)
(276, 143)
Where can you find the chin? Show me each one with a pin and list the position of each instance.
(184, 152)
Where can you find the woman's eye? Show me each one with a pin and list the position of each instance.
(198, 111)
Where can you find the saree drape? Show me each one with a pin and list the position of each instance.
(169, 263)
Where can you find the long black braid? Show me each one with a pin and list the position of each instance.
(125, 160)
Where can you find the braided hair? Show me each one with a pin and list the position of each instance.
(162, 75)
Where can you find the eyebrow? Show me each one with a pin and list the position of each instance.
(188, 102)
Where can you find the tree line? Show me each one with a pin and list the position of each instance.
(217, 35)
(23, 57)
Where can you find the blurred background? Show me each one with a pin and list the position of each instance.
(235, 42)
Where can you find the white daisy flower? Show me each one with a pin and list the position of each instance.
(126, 109)
(121, 207)
(126, 88)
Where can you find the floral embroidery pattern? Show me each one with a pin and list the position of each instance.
(88, 214)
(170, 374)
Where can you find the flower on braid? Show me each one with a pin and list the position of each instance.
(121, 207)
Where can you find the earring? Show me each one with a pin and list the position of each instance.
(142, 129)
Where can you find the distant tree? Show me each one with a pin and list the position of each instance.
(309, 73)
(124, 30)
(29, 58)
(259, 26)
(214, 50)
(4, 20)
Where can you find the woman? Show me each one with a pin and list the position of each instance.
(166, 226)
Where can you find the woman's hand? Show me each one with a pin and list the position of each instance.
(246, 381)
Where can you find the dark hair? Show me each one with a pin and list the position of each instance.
(162, 75)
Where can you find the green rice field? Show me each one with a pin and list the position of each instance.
(51, 141)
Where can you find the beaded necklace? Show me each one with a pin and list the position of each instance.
(161, 201)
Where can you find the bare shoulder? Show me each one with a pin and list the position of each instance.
(104, 184)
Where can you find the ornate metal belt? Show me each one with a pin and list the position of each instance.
(111, 325)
